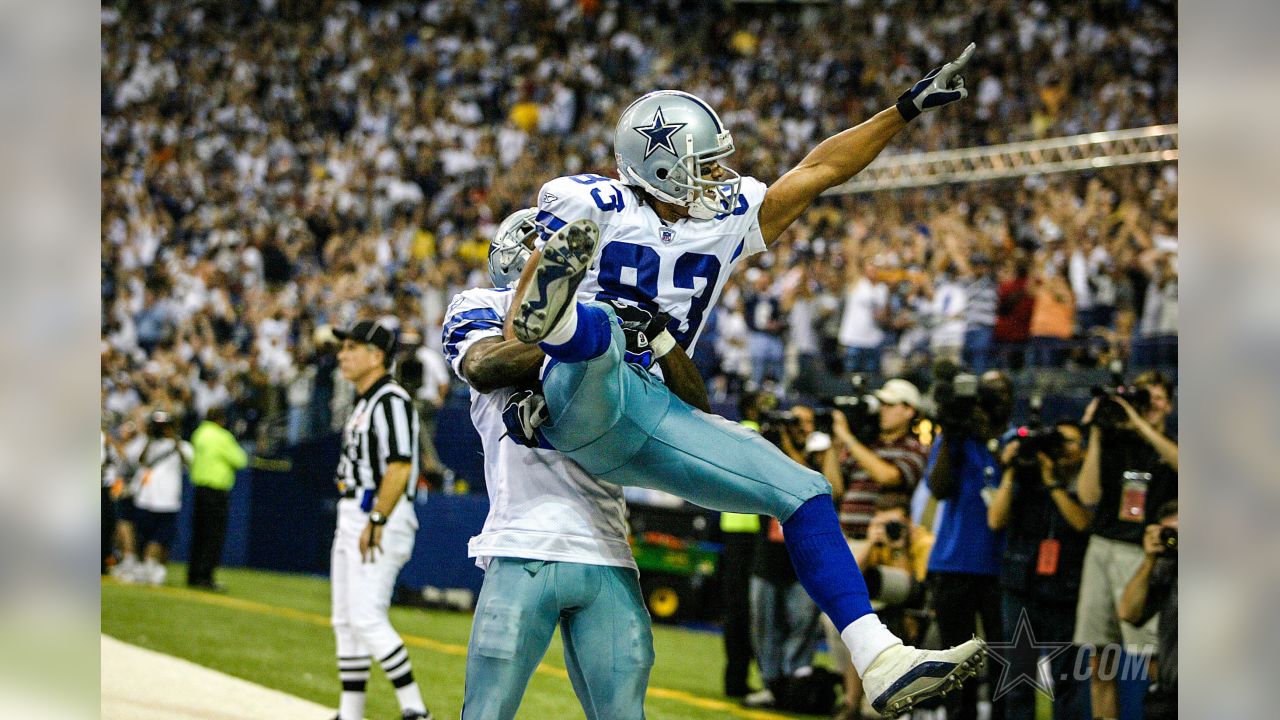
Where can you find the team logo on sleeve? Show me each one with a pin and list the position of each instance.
(666, 235)
(658, 135)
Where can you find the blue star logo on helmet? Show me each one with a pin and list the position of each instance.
(659, 135)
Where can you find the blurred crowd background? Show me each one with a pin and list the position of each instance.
(269, 168)
(274, 169)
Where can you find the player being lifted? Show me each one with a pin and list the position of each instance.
(666, 237)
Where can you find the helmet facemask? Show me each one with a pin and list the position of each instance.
(704, 197)
(510, 249)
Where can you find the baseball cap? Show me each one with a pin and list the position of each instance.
(817, 442)
(370, 333)
(898, 390)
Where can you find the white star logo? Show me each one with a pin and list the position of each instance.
(658, 135)
(1023, 647)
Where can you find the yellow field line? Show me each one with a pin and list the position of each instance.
(252, 606)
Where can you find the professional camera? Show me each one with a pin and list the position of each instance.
(861, 411)
(894, 530)
(956, 395)
(778, 417)
(863, 414)
(774, 422)
(1169, 541)
(1110, 414)
(1036, 437)
(888, 585)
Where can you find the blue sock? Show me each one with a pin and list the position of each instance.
(823, 562)
(591, 337)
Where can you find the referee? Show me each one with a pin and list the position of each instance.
(376, 476)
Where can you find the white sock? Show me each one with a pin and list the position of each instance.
(410, 698)
(564, 330)
(351, 706)
(866, 638)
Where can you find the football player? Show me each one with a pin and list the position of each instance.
(554, 545)
(666, 236)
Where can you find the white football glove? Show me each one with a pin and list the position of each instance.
(942, 86)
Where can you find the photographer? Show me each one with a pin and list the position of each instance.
(894, 559)
(738, 533)
(1044, 556)
(159, 455)
(967, 553)
(894, 459)
(789, 430)
(1129, 470)
(784, 620)
(1154, 589)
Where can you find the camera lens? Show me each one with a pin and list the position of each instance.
(895, 529)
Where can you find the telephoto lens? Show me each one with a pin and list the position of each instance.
(895, 529)
(1169, 540)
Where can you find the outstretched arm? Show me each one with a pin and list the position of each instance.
(831, 163)
(844, 155)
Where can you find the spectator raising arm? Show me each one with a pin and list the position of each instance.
(1089, 483)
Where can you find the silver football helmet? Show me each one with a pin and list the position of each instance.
(511, 247)
(664, 143)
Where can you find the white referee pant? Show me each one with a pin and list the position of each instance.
(362, 591)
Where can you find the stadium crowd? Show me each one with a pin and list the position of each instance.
(274, 169)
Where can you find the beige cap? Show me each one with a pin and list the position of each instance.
(898, 390)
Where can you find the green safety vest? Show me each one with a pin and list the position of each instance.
(740, 522)
(216, 457)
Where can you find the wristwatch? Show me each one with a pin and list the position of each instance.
(377, 518)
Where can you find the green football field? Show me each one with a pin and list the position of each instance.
(273, 629)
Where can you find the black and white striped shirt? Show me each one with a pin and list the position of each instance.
(382, 429)
(980, 308)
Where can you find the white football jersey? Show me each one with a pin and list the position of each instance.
(677, 268)
(542, 505)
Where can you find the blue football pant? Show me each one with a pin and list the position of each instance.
(608, 641)
(622, 424)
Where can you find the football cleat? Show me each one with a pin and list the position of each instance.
(903, 676)
(554, 287)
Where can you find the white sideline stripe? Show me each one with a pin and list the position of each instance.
(141, 684)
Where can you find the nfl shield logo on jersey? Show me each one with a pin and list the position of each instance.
(666, 235)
